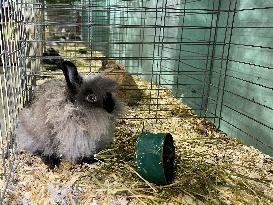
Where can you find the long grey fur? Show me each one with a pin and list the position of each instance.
(53, 125)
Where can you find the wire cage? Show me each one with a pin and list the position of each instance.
(201, 66)
(16, 75)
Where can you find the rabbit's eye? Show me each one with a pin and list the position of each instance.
(91, 98)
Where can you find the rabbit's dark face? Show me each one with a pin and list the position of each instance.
(96, 93)
(89, 97)
(88, 93)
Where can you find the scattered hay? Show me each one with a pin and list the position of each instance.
(211, 168)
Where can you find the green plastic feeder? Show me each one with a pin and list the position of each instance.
(155, 155)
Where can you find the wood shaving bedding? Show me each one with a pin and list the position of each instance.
(211, 167)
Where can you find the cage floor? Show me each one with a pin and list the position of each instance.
(211, 168)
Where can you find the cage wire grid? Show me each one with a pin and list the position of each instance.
(206, 90)
(14, 82)
(193, 48)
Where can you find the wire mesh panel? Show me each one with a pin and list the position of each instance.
(211, 54)
(241, 70)
(147, 37)
(16, 76)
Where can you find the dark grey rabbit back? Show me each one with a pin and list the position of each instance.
(72, 129)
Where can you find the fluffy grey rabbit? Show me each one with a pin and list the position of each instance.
(70, 121)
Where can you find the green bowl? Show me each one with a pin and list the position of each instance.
(155, 154)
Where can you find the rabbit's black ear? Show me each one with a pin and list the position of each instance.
(109, 103)
(72, 77)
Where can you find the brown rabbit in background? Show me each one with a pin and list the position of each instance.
(128, 90)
